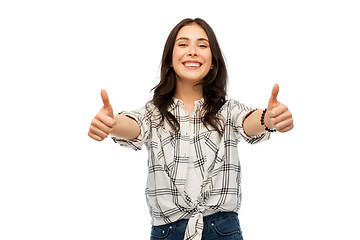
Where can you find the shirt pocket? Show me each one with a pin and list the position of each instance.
(165, 145)
(212, 140)
(213, 148)
(165, 132)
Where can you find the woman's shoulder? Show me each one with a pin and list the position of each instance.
(146, 110)
(233, 106)
(150, 107)
(230, 103)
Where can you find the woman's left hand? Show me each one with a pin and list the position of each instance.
(278, 115)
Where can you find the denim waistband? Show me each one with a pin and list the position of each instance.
(216, 217)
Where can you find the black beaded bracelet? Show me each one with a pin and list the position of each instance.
(262, 122)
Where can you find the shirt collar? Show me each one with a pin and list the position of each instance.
(178, 102)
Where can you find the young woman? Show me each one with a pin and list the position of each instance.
(192, 132)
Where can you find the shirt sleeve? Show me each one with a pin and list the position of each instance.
(238, 113)
(142, 117)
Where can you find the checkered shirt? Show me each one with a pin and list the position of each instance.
(216, 160)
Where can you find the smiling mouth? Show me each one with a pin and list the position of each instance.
(192, 65)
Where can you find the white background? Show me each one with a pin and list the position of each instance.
(56, 56)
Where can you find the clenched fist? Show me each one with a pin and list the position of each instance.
(103, 123)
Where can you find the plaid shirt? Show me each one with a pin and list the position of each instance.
(216, 161)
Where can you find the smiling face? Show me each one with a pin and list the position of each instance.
(191, 59)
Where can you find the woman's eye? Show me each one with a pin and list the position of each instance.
(182, 45)
(202, 46)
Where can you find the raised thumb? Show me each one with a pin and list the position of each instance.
(105, 99)
(274, 94)
(273, 99)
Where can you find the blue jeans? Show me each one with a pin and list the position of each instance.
(221, 225)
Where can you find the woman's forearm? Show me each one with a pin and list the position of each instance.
(252, 125)
(125, 127)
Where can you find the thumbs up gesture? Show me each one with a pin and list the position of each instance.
(278, 115)
(103, 123)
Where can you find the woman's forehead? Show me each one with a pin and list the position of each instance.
(192, 31)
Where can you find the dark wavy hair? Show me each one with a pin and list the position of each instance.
(214, 83)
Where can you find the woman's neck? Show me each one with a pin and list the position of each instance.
(188, 93)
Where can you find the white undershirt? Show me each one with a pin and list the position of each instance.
(193, 181)
(193, 185)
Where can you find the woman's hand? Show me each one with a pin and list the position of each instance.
(103, 123)
(278, 115)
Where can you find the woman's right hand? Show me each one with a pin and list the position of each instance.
(103, 123)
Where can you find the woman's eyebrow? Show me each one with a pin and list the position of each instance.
(188, 39)
(203, 39)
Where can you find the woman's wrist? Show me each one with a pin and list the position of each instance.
(266, 122)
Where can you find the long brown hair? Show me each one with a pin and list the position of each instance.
(214, 83)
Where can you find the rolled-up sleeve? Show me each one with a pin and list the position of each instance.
(239, 112)
(142, 117)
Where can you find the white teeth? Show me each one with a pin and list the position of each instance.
(191, 64)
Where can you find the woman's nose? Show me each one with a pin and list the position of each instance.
(192, 51)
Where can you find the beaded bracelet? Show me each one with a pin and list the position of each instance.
(262, 122)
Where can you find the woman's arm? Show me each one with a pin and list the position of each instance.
(125, 127)
(252, 125)
(105, 123)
